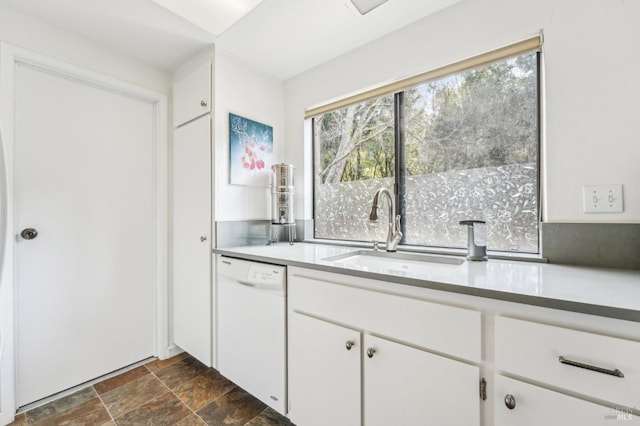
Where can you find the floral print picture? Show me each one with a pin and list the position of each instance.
(250, 151)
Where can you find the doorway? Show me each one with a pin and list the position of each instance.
(88, 224)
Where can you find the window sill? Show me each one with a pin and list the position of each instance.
(524, 257)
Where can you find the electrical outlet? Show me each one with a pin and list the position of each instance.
(602, 199)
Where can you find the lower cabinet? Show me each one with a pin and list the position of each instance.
(521, 404)
(407, 386)
(362, 353)
(338, 374)
(324, 373)
(569, 362)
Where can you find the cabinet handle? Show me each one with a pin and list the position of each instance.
(370, 352)
(203, 104)
(349, 344)
(615, 372)
(203, 238)
(510, 401)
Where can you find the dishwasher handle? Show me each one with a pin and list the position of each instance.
(247, 283)
(271, 288)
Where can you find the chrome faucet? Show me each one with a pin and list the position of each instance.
(394, 235)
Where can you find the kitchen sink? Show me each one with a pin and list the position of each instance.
(392, 262)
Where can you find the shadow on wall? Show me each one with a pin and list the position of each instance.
(3, 233)
(3, 210)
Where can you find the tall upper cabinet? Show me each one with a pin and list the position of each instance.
(192, 94)
(192, 233)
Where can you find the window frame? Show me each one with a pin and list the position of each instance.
(399, 142)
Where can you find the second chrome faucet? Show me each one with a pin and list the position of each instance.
(394, 235)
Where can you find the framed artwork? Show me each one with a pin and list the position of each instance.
(250, 151)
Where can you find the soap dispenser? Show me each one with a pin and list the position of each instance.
(476, 239)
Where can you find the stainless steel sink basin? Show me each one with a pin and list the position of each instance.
(392, 262)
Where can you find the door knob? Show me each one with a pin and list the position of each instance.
(29, 233)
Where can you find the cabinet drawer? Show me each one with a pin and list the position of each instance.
(441, 328)
(535, 351)
(535, 406)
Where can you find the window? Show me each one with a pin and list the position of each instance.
(462, 146)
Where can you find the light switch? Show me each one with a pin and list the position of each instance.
(602, 199)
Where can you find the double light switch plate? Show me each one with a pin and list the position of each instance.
(602, 199)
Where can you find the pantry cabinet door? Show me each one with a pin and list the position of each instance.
(191, 278)
(324, 375)
(407, 386)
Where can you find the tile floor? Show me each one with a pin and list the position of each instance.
(177, 391)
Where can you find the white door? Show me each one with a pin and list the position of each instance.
(324, 373)
(84, 180)
(422, 388)
(192, 302)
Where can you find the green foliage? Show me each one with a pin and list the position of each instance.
(485, 117)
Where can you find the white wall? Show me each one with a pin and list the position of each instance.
(591, 69)
(245, 91)
(37, 36)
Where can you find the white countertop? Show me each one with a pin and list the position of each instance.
(608, 292)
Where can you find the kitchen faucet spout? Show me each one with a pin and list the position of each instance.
(394, 235)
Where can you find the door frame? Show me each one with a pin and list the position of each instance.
(10, 57)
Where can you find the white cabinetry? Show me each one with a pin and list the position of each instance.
(407, 386)
(446, 358)
(324, 375)
(192, 95)
(415, 358)
(191, 231)
(587, 365)
(536, 406)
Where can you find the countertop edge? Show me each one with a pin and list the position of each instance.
(545, 302)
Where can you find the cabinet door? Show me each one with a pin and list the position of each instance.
(408, 386)
(535, 406)
(324, 376)
(192, 95)
(191, 239)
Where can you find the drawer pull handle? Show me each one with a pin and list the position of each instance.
(370, 352)
(615, 372)
(349, 344)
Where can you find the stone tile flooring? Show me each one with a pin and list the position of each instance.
(177, 391)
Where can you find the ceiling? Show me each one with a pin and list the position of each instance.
(281, 37)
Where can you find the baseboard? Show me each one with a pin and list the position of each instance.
(174, 350)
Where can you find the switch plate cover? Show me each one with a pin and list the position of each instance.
(602, 198)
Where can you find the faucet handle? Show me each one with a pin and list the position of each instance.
(398, 224)
(376, 245)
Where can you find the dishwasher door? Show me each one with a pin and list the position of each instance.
(251, 303)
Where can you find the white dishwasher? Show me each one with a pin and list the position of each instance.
(252, 328)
